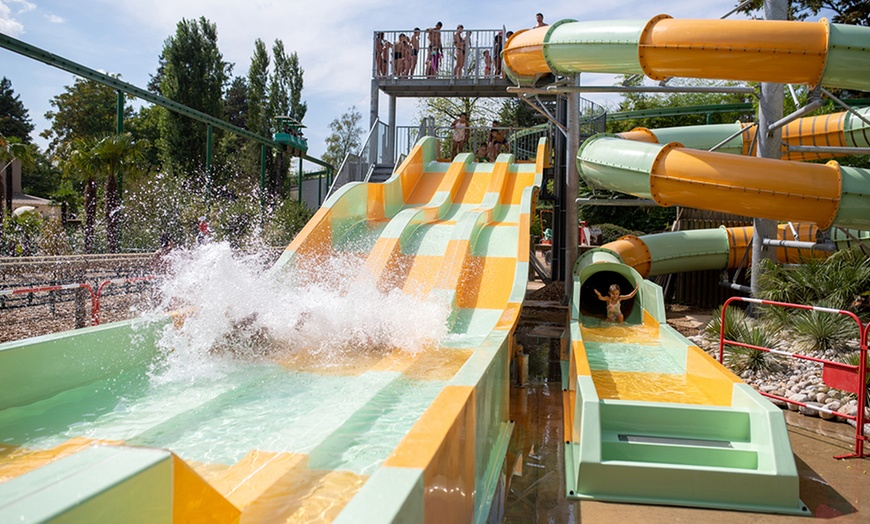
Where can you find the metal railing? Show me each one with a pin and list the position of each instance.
(356, 166)
(522, 142)
(95, 295)
(394, 56)
(837, 375)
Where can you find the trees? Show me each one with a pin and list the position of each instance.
(855, 12)
(194, 74)
(106, 157)
(345, 137)
(284, 98)
(14, 118)
(85, 109)
(12, 149)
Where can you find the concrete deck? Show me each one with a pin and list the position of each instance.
(830, 488)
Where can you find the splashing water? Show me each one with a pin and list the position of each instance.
(237, 310)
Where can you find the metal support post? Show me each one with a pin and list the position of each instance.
(391, 132)
(262, 178)
(769, 111)
(373, 117)
(299, 182)
(557, 265)
(572, 183)
(208, 150)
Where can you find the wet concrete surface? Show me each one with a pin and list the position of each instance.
(830, 488)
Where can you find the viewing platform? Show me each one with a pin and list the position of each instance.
(406, 63)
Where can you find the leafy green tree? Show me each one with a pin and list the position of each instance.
(14, 118)
(345, 137)
(85, 109)
(258, 81)
(854, 12)
(194, 74)
(258, 120)
(285, 98)
(144, 125)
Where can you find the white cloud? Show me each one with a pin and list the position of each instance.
(9, 25)
(54, 19)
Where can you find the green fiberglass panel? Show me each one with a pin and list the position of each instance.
(856, 130)
(691, 250)
(848, 63)
(429, 239)
(99, 484)
(703, 137)
(594, 47)
(609, 162)
(497, 241)
(855, 199)
(629, 357)
(37, 368)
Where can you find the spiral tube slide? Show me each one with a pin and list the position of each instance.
(841, 129)
(811, 53)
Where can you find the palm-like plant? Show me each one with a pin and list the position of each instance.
(98, 158)
(113, 154)
(12, 149)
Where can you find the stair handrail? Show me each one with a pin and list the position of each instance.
(837, 372)
(353, 163)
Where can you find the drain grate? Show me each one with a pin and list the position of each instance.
(646, 439)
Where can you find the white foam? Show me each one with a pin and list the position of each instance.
(241, 311)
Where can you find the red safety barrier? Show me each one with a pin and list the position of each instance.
(95, 296)
(95, 311)
(834, 374)
(59, 287)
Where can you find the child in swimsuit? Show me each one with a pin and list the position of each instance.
(614, 302)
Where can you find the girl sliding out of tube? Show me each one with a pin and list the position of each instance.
(614, 302)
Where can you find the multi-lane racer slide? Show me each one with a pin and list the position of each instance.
(90, 425)
(648, 416)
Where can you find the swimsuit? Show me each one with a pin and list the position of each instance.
(613, 310)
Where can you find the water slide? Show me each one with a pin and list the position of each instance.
(649, 417)
(92, 422)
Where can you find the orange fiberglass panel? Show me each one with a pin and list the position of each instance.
(19, 461)
(316, 237)
(485, 283)
(579, 361)
(515, 185)
(646, 334)
(376, 202)
(640, 134)
(422, 270)
(441, 443)
(759, 187)
(411, 170)
(472, 188)
(739, 242)
(768, 51)
(307, 495)
(525, 54)
(569, 397)
(634, 252)
(195, 500)
(425, 189)
(509, 318)
(825, 130)
(656, 387)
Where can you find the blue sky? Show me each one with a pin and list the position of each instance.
(333, 39)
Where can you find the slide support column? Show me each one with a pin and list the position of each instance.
(769, 146)
(572, 184)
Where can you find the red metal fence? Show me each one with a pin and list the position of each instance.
(837, 375)
(95, 295)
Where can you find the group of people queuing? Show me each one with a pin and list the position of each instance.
(403, 54)
(496, 142)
